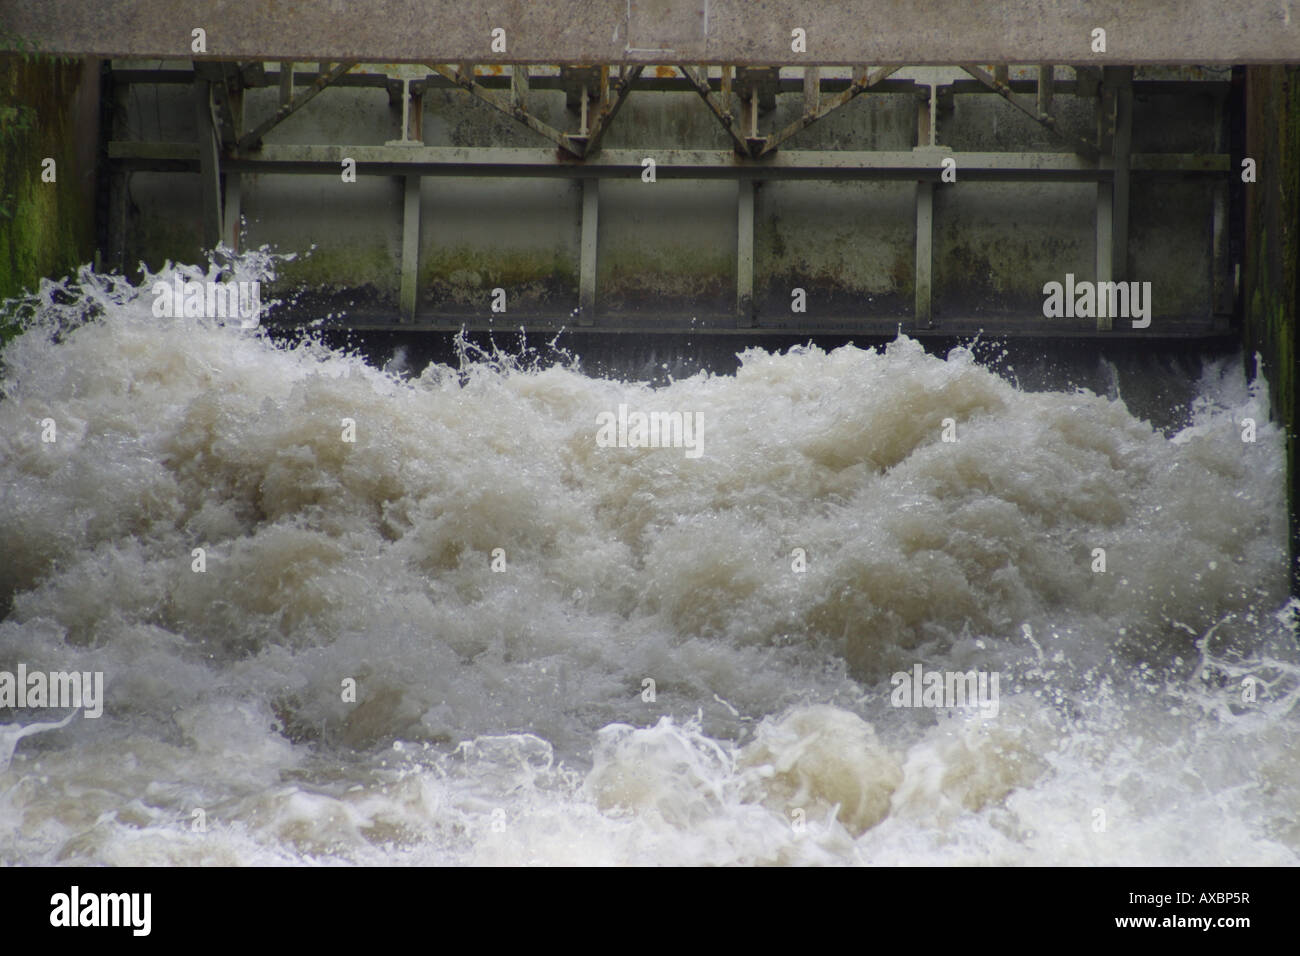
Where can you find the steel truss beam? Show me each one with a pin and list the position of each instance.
(723, 114)
(253, 138)
(1046, 120)
(611, 101)
(859, 84)
(465, 80)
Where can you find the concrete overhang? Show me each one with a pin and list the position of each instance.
(749, 32)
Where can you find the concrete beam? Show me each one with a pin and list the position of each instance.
(671, 31)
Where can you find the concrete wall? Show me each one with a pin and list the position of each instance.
(689, 31)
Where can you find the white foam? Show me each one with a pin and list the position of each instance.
(329, 561)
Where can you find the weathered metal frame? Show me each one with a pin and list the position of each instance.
(721, 112)
(469, 83)
(253, 138)
(612, 100)
(218, 103)
(1046, 120)
(856, 87)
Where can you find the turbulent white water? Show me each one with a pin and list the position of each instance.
(500, 716)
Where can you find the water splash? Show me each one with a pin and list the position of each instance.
(503, 716)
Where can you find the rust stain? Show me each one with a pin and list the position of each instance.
(666, 72)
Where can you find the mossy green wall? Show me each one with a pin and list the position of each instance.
(46, 229)
(1272, 288)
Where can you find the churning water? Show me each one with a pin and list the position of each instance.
(1147, 713)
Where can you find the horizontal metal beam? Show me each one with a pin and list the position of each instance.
(613, 31)
(918, 164)
(645, 83)
(678, 84)
(860, 327)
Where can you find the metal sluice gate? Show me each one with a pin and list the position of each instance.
(723, 199)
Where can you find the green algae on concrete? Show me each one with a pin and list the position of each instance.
(340, 268)
(463, 277)
(46, 229)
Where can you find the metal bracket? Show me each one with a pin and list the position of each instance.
(863, 81)
(610, 105)
(464, 78)
(253, 139)
(721, 112)
(1045, 120)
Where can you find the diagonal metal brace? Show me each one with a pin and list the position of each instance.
(1080, 145)
(859, 84)
(517, 111)
(253, 138)
(605, 115)
(724, 116)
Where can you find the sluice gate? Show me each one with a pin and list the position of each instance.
(668, 198)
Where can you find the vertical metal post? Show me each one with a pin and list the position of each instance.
(286, 82)
(1105, 247)
(519, 86)
(1046, 88)
(745, 253)
(410, 245)
(117, 198)
(924, 304)
(209, 164)
(587, 261)
(232, 216)
(1123, 78)
(1221, 280)
(231, 213)
(812, 77)
(1105, 243)
(924, 255)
